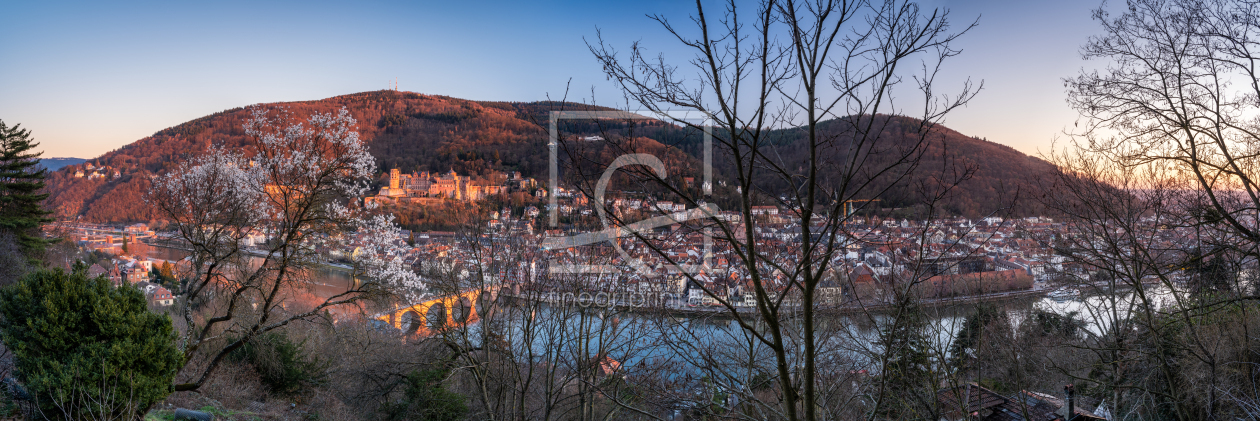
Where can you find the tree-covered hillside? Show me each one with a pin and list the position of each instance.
(416, 132)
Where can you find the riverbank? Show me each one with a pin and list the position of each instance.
(176, 245)
(640, 303)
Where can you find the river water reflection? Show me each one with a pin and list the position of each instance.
(660, 338)
(645, 335)
(325, 280)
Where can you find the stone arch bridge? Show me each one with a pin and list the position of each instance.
(437, 313)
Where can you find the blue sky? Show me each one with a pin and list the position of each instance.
(89, 77)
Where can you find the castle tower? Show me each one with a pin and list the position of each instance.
(394, 176)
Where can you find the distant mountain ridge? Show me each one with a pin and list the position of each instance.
(417, 132)
(54, 164)
(999, 185)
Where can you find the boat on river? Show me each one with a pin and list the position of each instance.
(1064, 294)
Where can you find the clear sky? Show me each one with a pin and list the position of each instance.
(89, 77)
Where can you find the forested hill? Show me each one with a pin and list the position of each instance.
(1000, 184)
(417, 132)
(403, 130)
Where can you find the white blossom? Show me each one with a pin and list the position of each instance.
(293, 183)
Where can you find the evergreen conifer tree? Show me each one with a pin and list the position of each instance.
(84, 349)
(907, 370)
(21, 182)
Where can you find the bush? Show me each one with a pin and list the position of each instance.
(85, 349)
(424, 398)
(283, 364)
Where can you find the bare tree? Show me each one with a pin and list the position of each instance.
(1180, 92)
(1170, 336)
(1160, 185)
(830, 69)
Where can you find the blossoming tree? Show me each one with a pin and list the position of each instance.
(295, 185)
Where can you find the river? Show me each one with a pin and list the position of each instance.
(646, 333)
(326, 281)
(649, 337)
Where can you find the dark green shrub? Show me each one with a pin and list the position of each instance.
(283, 364)
(84, 349)
(424, 398)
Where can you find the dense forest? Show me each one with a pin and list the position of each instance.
(416, 132)
(999, 175)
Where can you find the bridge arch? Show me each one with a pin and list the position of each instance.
(411, 322)
(484, 303)
(461, 310)
(436, 317)
(426, 318)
